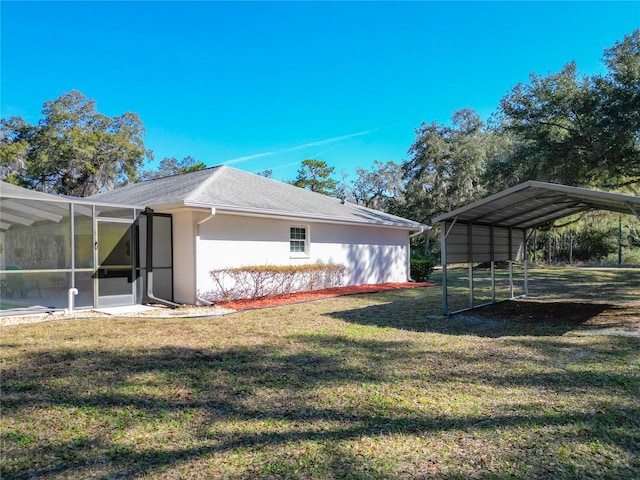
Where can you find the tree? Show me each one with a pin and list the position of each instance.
(315, 175)
(501, 171)
(14, 133)
(619, 103)
(552, 118)
(74, 149)
(170, 166)
(579, 130)
(446, 166)
(376, 187)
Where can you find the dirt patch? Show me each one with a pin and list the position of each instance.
(587, 314)
(317, 295)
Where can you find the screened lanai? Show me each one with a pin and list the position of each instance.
(59, 253)
(494, 232)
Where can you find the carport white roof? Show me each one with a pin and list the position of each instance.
(533, 204)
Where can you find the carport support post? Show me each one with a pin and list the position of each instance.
(510, 279)
(525, 262)
(470, 236)
(443, 260)
(510, 263)
(570, 247)
(493, 266)
(493, 281)
(619, 240)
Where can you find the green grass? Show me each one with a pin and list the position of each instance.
(357, 387)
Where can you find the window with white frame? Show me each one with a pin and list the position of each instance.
(299, 240)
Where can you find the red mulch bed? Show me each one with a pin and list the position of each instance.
(317, 295)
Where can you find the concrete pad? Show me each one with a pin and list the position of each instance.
(127, 309)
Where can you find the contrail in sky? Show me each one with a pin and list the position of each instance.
(299, 147)
(298, 162)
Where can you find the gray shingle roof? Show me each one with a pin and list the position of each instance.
(229, 189)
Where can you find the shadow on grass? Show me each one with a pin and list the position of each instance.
(124, 464)
(506, 319)
(270, 384)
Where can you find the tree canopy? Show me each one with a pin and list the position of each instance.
(172, 166)
(446, 165)
(315, 175)
(374, 188)
(573, 129)
(74, 149)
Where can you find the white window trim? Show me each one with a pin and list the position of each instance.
(307, 243)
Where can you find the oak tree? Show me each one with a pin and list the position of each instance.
(171, 166)
(73, 149)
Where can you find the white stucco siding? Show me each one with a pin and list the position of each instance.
(371, 254)
(184, 257)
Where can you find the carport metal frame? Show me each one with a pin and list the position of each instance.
(497, 228)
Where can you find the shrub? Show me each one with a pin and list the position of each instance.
(591, 244)
(260, 281)
(421, 269)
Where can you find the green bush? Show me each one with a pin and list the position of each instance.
(630, 256)
(421, 269)
(591, 244)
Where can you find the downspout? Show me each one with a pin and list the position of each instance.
(211, 215)
(150, 296)
(413, 235)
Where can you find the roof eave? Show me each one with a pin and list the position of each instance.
(282, 215)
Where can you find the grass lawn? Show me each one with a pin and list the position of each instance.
(363, 386)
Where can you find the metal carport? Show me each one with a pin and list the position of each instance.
(495, 228)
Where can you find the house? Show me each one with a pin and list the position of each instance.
(225, 217)
(60, 253)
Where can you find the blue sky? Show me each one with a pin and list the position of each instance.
(265, 85)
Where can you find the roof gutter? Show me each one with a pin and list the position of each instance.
(423, 229)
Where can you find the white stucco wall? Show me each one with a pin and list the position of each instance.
(184, 257)
(371, 254)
